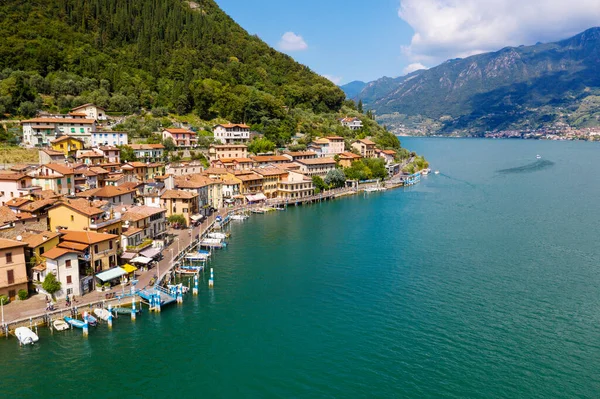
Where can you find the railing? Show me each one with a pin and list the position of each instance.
(105, 223)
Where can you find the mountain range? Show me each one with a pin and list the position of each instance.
(525, 87)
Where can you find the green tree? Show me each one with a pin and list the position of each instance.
(261, 145)
(319, 184)
(177, 219)
(360, 106)
(169, 144)
(358, 171)
(51, 285)
(335, 178)
(127, 153)
(377, 167)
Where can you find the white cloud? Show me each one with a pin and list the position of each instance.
(413, 67)
(292, 42)
(335, 79)
(460, 28)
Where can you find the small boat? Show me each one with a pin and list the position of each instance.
(222, 236)
(538, 156)
(425, 171)
(187, 271)
(91, 320)
(102, 314)
(26, 336)
(120, 310)
(259, 210)
(437, 172)
(60, 325)
(75, 322)
(239, 217)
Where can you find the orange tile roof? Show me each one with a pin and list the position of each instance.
(230, 125)
(147, 146)
(178, 194)
(179, 131)
(220, 146)
(60, 120)
(87, 105)
(105, 192)
(270, 158)
(334, 138)
(64, 170)
(80, 205)
(250, 177)
(389, 152)
(366, 141)
(4, 176)
(63, 138)
(18, 201)
(270, 171)
(99, 170)
(349, 155)
(36, 239)
(57, 252)
(302, 153)
(316, 161)
(87, 237)
(5, 243)
(37, 205)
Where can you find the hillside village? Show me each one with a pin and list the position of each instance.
(83, 210)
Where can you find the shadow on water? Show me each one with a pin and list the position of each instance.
(532, 167)
(458, 180)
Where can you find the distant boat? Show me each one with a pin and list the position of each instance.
(60, 325)
(102, 313)
(437, 172)
(425, 171)
(26, 336)
(239, 217)
(538, 156)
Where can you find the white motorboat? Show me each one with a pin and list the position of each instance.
(538, 156)
(221, 236)
(102, 313)
(26, 336)
(437, 172)
(425, 171)
(239, 217)
(60, 325)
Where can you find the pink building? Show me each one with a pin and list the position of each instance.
(181, 137)
(15, 185)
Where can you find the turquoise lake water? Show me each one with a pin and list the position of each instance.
(480, 282)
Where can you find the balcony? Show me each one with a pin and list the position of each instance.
(101, 224)
(144, 244)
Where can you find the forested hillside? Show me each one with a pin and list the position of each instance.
(168, 56)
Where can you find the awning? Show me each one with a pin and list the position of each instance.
(256, 197)
(150, 252)
(129, 268)
(111, 274)
(141, 259)
(128, 255)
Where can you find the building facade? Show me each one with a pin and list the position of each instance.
(232, 133)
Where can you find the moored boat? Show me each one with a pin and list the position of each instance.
(239, 217)
(26, 336)
(75, 322)
(123, 310)
(91, 320)
(102, 314)
(437, 172)
(221, 236)
(60, 325)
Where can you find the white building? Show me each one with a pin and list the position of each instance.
(352, 123)
(316, 166)
(109, 138)
(148, 152)
(38, 132)
(232, 133)
(92, 111)
(63, 263)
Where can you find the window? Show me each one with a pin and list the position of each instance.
(59, 182)
(81, 130)
(62, 146)
(96, 248)
(69, 281)
(68, 180)
(68, 263)
(42, 250)
(110, 245)
(10, 276)
(72, 130)
(69, 291)
(9, 257)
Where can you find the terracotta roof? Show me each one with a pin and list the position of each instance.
(87, 237)
(334, 138)
(366, 141)
(57, 252)
(4, 176)
(89, 154)
(230, 125)
(20, 167)
(52, 152)
(178, 194)
(229, 146)
(349, 155)
(65, 170)
(88, 173)
(389, 152)
(37, 205)
(316, 161)
(73, 245)
(192, 183)
(7, 215)
(216, 171)
(105, 192)
(250, 177)
(130, 185)
(99, 170)
(60, 120)
(270, 158)
(77, 114)
(147, 146)
(320, 141)
(271, 171)
(131, 231)
(179, 131)
(82, 206)
(302, 153)
(87, 105)
(18, 201)
(114, 177)
(36, 239)
(109, 148)
(5, 243)
(230, 180)
(63, 138)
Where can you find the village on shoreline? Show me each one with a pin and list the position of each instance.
(82, 221)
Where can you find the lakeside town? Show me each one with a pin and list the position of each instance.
(82, 220)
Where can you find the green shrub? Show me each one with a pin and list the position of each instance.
(23, 294)
(4, 299)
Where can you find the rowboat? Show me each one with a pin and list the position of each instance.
(102, 314)
(60, 325)
(26, 336)
(75, 322)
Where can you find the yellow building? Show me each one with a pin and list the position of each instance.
(179, 202)
(67, 145)
(271, 178)
(80, 214)
(37, 245)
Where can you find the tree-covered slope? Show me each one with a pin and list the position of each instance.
(526, 86)
(122, 54)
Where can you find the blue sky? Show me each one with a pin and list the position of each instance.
(348, 40)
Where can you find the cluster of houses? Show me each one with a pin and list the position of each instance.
(81, 211)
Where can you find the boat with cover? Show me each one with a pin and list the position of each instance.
(102, 314)
(221, 236)
(92, 321)
(121, 310)
(74, 322)
(26, 336)
(60, 325)
(239, 217)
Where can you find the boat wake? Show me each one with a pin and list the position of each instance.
(532, 167)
